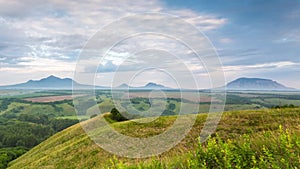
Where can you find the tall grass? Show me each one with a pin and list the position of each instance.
(276, 150)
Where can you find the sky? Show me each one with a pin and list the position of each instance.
(250, 39)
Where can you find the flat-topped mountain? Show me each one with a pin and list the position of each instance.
(255, 84)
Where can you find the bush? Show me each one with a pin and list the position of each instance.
(116, 115)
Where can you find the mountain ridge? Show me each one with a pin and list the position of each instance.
(53, 82)
(149, 85)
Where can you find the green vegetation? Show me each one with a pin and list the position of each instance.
(274, 150)
(285, 106)
(244, 139)
(8, 154)
(116, 115)
(24, 125)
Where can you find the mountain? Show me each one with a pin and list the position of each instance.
(49, 82)
(53, 82)
(148, 86)
(154, 86)
(256, 84)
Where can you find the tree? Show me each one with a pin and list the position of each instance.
(171, 106)
(116, 115)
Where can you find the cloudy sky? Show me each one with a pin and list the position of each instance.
(252, 39)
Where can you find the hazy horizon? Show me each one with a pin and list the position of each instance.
(136, 86)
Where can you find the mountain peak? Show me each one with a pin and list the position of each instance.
(51, 77)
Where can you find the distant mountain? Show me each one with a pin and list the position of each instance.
(53, 82)
(148, 86)
(49, 82)
(256, 84)
(154, 86)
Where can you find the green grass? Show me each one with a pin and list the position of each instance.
(244, 139)
(276, 101)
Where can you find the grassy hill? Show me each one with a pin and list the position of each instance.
(244, 139)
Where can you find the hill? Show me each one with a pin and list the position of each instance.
(72, 148)
(256, 84)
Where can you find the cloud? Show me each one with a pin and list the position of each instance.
(56, 31)
(256, 67)
(109, 66)
(247, 37)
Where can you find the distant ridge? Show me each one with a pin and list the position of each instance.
(150, 85)
(53, 82)
(256, 84)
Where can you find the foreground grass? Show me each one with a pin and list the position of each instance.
(245, 139)
(279, 149)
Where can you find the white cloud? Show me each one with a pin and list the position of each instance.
(272, 65)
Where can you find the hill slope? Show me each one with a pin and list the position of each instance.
(255, 84)
(72, 148)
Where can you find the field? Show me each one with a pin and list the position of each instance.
(49, 98)
(38, 115)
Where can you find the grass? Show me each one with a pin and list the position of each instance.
(280, 101)
(239, 134)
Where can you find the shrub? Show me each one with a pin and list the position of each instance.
(116, 115)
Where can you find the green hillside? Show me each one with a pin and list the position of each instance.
(245, 139)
